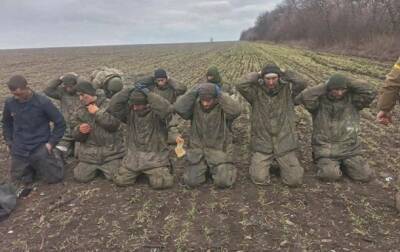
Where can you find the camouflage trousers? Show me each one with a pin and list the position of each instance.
(223, 174)
(159, 178)
(41, 164)
(85, 172)
(290, 169)
(355, 167)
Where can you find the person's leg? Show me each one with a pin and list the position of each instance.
(357, 168)
(224, 175)
(328, 169)
(195, 174)
(49, 166)
(123, 176)
(259, 168)
(110, 168)
(291, 170)
(21, 170)
(85, 172)
(160, 178)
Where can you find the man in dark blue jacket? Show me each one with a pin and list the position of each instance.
(29, 137)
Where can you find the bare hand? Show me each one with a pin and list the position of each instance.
(92, 108)
(179, 140)
(49, 148)
(85, 128)
(384, 118)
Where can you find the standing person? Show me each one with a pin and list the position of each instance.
(335, 108)
(63, 89)
(272, 124)
(26, 129)
(101, 142)
(211, 113)
(145, 114)
(389, 95)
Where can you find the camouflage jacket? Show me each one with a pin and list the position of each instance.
(336, 124)
(69, 103)
(272, 115)
(389, 92)
(211, 133)
(147, 134)
(105, 142)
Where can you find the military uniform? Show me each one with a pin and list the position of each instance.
(336, 126)
(147, 150)
(210, 140)
(389, 92)
(103, 148)
(110, 80)
(272, 128)
(69, 103)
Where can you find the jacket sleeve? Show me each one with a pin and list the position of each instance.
(298, 84)
(362, 93)
(389, 92)
(118, 106)
(57, 119)
(75, 122)
(179, 88)
(159, 105)
(310, 97)
(246, 86)
(53, 89)
(107, 121)
(8, 125)
(185, 104)
(231, 108)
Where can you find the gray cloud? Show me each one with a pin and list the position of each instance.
(44, 23)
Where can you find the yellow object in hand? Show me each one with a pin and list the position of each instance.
(180, 152)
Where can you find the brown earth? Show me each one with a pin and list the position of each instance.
(99, 216)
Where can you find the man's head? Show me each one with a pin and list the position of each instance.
(114, 85)
(19, 88)
(271, 75)
(160, 77)
(86, 92)
(213, 75)
(138, 102)
(337, 86)
(69, 82)
(208, 96)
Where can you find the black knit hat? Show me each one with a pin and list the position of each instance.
(17, 81)
(137, 98)
(207, 91)
(160, 73)
(85, 87)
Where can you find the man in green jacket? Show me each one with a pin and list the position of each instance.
(63, 89)
(272, 124)
(210, 145)
(101, 142)
(335, 107)
(145, 114)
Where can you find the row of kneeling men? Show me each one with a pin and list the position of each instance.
(125, 130)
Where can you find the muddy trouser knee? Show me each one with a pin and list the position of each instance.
(357, 168)
(160, 178)
(291, 170)
(85, 172)
(195, 173)
(224, 175)
(259, 168)
(124, 176)
(46, 165)
(328, 169)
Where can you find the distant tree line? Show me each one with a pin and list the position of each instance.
(327, 22)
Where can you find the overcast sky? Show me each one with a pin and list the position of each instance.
(49, 23)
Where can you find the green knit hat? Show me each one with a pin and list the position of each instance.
(213, 71)
(337, 81)
(137, 98)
